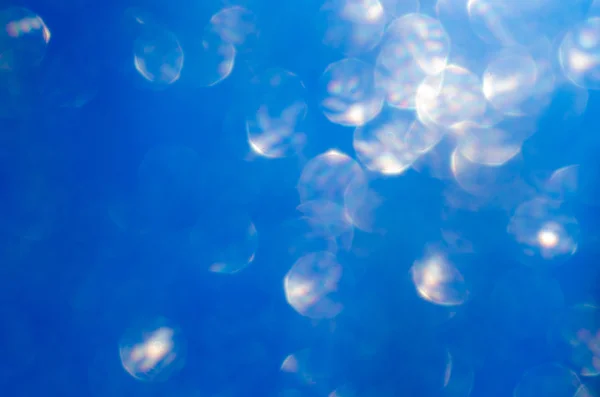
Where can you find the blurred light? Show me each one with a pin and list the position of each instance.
(152, 353)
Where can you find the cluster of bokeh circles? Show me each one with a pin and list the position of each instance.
(453, 90)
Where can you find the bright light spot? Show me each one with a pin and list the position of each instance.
(547, 238)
